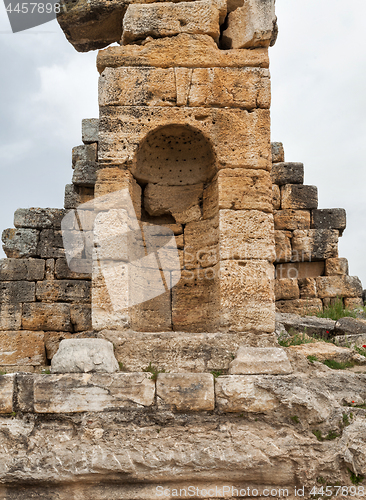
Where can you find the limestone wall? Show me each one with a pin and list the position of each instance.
(42, 301)
(309, 272)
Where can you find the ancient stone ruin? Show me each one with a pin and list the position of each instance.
(186, 385)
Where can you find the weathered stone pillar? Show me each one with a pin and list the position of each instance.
(185, 127)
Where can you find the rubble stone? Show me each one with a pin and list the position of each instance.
(10, 316)
(46, 317)
(309, 325)
(338, 286)
(85, 173)
(333, 218)
(302, 307)
(286, 289)
(353, 303)
(290, 219)
(283, 247)
(20, 348)
(251, 25)
(350, 326)
(287, 173)
(84, 356)
(186, 391)
(298, 196)
(307, 288)
(80, 392)
(38, 218)
(85, 152)
(256, 360)
(314, 244)
(62, 271)
(63, 291)
(89, 130)
(17, 291)
(50, 244)
(19, 243)
(336, 267)
(169, 19)
(22, 269)
(81, 317)
(278, 153)
(74, 196)
(328, 351)
(6, 393)
(238, 393)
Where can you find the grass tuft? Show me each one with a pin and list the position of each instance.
(153, 370)
(355, 478)
(335, 365)
(336, 311)
(297, 339)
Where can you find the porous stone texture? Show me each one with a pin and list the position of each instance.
(254, 360)
(303, 307)
(317, 244)
(181, 51)
(251, 25)
(181, 352)
(241, 138)
(168, 19)
(22, 269)
(22, 348)
(287, 173)
(185, 87)
(287, 288)
(298, 196)
(186, 392)
(85, 173)
(19, 243)
(290, 220)
(336, 267)
(84, 356)
(334, 218)
(338, 286)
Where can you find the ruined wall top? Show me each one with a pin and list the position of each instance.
(232, 24)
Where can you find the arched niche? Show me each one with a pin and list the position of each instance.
(174, 155)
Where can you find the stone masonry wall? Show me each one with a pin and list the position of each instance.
(43, 302)
(309, 272)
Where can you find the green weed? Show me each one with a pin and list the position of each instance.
(153, 370)
(336, 311)
(295, 419)
(355, 479)
(335, 365)
(312, 358)
(297, 339)
(216, 373)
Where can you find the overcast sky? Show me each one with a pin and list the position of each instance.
(318, 70)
